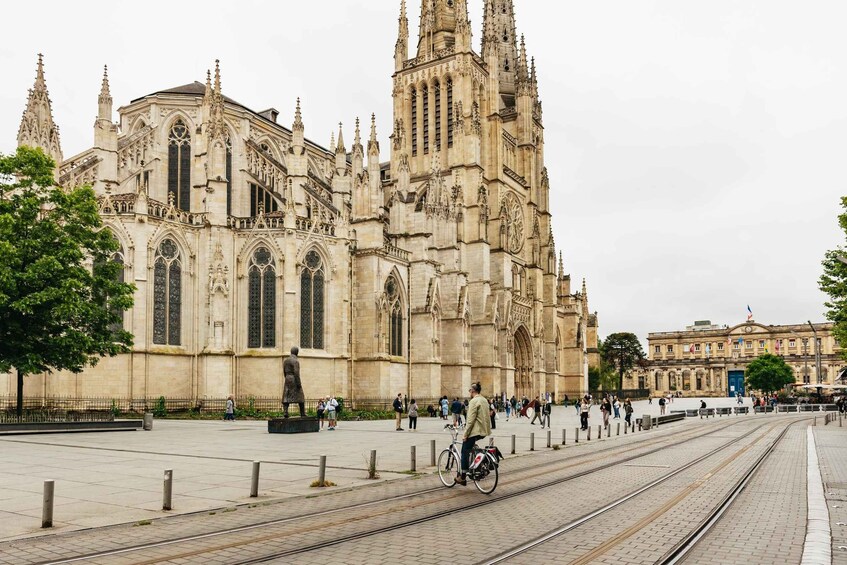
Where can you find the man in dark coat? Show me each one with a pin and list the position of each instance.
(293, 391)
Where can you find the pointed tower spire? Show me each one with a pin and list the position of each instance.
(401, 48)
(463, 26)
(340, 153)
(208, 95)
(298, 116)
(298, 138)
(37, 128)
(104, 101)
(561, 267)
(340, 147)
(217, 127)
(489, 30)
(373, 144)
(584, 290)
(217, 76)
(358, 151)
(332, 142)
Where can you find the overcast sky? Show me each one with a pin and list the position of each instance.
(696, 149)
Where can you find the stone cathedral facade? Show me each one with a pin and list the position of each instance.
(417, 275)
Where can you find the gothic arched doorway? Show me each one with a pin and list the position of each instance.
(523, 364)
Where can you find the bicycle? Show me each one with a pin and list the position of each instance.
(483, 468)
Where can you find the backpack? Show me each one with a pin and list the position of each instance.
(661, 402)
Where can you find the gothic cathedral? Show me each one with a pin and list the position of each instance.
(417, 275)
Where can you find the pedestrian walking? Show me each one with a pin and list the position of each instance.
(413, 415)
(583, 412)
(492, 413)
(627, 409)
(321, 411)
(445, 407)
(606, 409)
(546, 410)
(537, 409)
(508, 409)
(331, 410)
(229, 414)
(457, 408)
(662, 402)
(398, 411)
(616, 405)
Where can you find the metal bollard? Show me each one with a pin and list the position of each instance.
(47, 507)
(414, 459)
(815, 422)
(322, 471)
(532, 441)
(619, 429)
(608, 431)
(549, 438)
(167, 494)
(599, 431)
(588, 433)
(432, 453)
(372, 466)
(564, 436)
(513, 444)
(576, 435)
(254, 484)
(626, 429)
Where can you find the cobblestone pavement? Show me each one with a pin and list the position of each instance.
(519, 517)
(578, 457)
(831, 441)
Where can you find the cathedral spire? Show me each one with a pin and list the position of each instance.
(358, 151)
(37, 128)
(298, 138)
(489, 30)
(401, 48)
(463, 26)
(332, 142)
(561, 267)
(208, 95)
(217, 126)
(373, 144)
(522, 81)
(340, 153)
(104, 101)
(340, 147)
(438, 26)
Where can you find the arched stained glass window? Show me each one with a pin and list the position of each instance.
(312, 278)
(395, 318)
(179, 165)
(414, 98)
(261, 296)
(450, 111)
(167, 294)
(436, 87)
(425, 96)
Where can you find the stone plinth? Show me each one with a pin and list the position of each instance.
(293, 425)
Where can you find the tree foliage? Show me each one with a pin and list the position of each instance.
(833, 282)
(768, 373)
(621, 351)
(61, 302)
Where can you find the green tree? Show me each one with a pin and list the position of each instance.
(621, 351)
(768, 373)
(61, 302)
(833, 282)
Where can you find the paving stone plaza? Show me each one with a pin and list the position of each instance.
(108, 492)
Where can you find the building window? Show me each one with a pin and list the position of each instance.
(312, 302)
(167, 294)
(761, 344)
(414, 97)
(657, 349)
(736, 345)
(792, 343)
(425, 96)
(179, 166)
(659, 381)
(697, 347)
(261, 199)
(670, 349)
(450, 112)
(437, 88)
(720, 347)
(395, 320)
(261, 296)
(748, 344)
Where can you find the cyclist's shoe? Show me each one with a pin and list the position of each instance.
(461, 481)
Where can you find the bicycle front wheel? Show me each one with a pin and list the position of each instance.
(448, 467)
(486, 478)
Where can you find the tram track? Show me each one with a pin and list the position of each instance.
(681, 549)
(525, 474)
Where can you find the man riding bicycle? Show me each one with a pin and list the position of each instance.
(477, 426)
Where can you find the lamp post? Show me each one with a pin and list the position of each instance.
(805, 360)
(817, 357)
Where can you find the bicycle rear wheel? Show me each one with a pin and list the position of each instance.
(486, 476)
(447, 468)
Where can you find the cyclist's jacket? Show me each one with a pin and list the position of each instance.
(478, 422)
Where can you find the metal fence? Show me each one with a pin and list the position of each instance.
(45, 416)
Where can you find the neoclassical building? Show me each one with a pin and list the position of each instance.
(415, 275)
(710, 359)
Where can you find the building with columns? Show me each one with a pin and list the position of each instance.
(710, 360)
(417, 275)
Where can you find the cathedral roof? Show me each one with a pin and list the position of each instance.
(191, 89)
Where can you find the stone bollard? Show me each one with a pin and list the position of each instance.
(815, 423)
(599, 431)
(47, 505)
(432, 453)
(372, 467)
(549, 438)
(646, 422)
(576, 435)
(148, 421)
(532, 441)
(254, 483)
(619, 429)
(608, 431)
(167, 490)
(588, 433)
(625, 429)
(564, 436)
(322, 471)
(414, 459)
(513, 444)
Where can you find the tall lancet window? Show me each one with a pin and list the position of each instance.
(450, 111)
(414, 97)
(179, 165)
(228, 176)
(395, 317)
(167, 295)
(261, 296)
(437, 88)
(312, 279)
(425, 96)
(118, 258)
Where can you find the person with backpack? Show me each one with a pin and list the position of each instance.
(627, 408)
(662, 402)
(457, 408)
(398, 411)
(413, 415)
(321, 411)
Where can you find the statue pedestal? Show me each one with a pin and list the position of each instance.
(294, 425)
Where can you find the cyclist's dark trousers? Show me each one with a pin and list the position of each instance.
(583, 419)
(467, 446)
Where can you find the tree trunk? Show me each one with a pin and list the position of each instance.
(20, 406)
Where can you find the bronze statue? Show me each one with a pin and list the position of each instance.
(293, 391)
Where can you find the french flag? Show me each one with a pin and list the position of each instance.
(749, 313)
